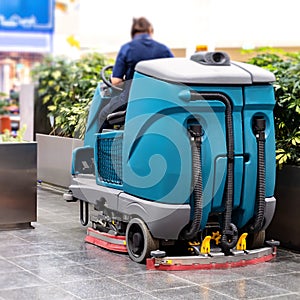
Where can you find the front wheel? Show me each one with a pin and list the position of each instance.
(139, 241)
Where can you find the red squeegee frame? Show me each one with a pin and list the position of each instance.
(106, 240)
(152, 265)
(118, 244)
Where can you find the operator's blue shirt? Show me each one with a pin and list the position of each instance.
(142, 47)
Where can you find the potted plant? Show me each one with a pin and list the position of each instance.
(65, 87)
(18, 176)
(286, 67)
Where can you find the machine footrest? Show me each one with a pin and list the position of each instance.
(106, 240)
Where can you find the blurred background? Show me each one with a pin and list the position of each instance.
(31, 29)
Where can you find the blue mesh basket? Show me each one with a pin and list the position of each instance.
(109, 158)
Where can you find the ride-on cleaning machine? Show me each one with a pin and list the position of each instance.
(186, 177)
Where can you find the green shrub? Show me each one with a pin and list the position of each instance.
(67, 87)
(286, 68)
(3, 104)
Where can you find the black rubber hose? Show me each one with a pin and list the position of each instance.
(84, 215)
(195, 132)
(259, 127)
(229, 232)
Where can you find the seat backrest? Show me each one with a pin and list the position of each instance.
(93, 125)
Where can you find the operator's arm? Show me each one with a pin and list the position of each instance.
(120, 67)
(116, 80)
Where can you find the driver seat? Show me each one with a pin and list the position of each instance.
(116, 118)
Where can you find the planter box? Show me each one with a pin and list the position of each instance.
(18, 176)
(55, 159)
(285, 225)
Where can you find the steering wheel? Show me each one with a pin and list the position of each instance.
(106, 80)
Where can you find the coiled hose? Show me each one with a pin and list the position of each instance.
(195, 132)
(259, 128)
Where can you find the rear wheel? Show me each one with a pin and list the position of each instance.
(139, 240)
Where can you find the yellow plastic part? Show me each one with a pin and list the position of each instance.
(194, 243)
(241, 244)
(205, 246)
(216, 236)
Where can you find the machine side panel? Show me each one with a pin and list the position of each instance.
(259, 103)
(165, 221)
(157, 158)
(85, 188)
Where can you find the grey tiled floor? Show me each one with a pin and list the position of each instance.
(52, 261)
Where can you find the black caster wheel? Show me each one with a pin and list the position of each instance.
(139, 241)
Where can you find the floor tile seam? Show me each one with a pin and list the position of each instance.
(148, 271)
(87, 266)
(93, 279)
(128, 285)
(66, 291)
(40, 226)
(64, 252)
(272, 296)
(19, 266)
(205, 285)
(39, 243)
(148, 294)
(225, 281)
(37, 286)
(77, 239)
(30, 255)
(190, 286)
(45, 283)
(218, 281)
(271, 285)
(263, 275)
(219, 293)
(155, 290)
(272, 275)
(53, 254)
(28, 271)
(276, 274)
(57, 222)
(140, 293)
(56, 284)
(73, 261)
(21, 239)
(2, 247)
(49, 228)
(57, 252)
(16, 265)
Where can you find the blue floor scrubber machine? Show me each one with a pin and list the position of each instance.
(188, 169)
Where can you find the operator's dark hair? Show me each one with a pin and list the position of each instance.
(140, 25)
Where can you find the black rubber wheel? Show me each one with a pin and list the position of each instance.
(256, 240)
(139, 241)
(229, 241)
